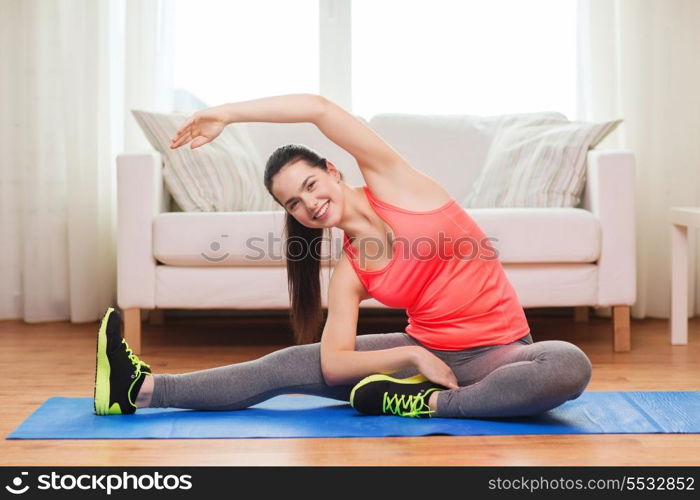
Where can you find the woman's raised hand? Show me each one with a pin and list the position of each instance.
(202, 127)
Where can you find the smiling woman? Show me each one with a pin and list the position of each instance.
(303, 228)
(454, 305)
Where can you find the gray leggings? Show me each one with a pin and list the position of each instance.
(517, 379)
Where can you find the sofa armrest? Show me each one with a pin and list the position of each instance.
(140, 196)
(610, 195)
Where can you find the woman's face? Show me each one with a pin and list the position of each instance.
(312, 195)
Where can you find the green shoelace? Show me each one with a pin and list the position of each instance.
(134, 358)
(137, 364)
(407, 405)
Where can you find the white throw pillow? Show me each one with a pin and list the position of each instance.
(537, 164)
(225, 175)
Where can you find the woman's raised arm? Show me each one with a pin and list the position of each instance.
(369, 149)
(382, 167)
(205, 125)
(344, 129)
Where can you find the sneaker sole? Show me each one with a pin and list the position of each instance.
(416, 379)
(102, 368)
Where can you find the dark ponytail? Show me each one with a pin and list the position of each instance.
(302, 251)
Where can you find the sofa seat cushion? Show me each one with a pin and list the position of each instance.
(518, 235)
(225, 239)
(531, 235)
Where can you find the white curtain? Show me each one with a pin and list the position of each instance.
(638, 60)
(71, 70)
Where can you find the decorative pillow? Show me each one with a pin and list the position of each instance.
(225, 175)
(537, 164)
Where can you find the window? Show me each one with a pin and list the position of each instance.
(236, 50)
(456, 56)
(480, 57)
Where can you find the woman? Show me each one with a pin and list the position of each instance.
(467, 351)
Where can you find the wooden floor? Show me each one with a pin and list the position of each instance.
(57, 359)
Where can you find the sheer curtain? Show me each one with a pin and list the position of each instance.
(71, 70)
(638, 59)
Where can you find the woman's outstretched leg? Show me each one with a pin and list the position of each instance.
(120, 375)
(517, 379)
(294, 369)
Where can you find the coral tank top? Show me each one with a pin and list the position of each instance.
(447, 277)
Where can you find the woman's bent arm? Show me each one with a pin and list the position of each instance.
(347, 367)
(340, 362)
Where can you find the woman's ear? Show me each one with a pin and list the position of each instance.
(333, 170)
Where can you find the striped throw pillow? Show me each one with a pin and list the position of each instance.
(225, 175)
(537, 164)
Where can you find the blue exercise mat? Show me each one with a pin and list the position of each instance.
(294, 416)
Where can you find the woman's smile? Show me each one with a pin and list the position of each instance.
(322, 213)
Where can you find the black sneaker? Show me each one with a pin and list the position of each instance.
(385, 395)
(119, 373)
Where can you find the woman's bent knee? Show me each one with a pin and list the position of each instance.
(581, 369)
(573, 368)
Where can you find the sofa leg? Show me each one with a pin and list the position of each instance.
(622, 338)
(132, 329)
(581, 314)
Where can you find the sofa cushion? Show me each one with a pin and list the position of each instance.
(223, 175)
(226, 239)
(527, 235)
(451, 149)
(530, 235)
(537, 163)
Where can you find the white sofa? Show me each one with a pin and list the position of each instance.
(579, 257)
